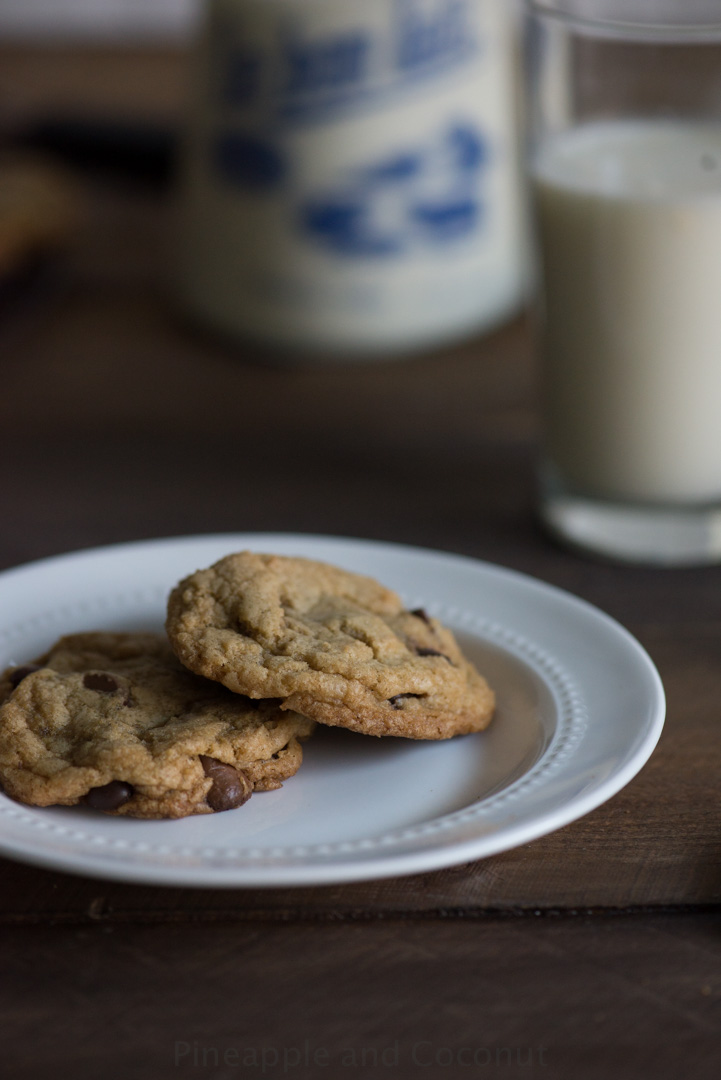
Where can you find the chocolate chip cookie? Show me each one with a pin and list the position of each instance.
(113, 721)
(333, 645)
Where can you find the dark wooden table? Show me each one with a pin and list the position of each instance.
(594, 952)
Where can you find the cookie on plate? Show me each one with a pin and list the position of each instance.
(333, 645)
(113, 721)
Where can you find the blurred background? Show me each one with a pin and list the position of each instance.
(110, 19)
(124, 418)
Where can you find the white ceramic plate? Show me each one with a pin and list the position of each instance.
(580, 709)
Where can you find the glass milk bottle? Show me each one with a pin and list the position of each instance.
(626, 163)
(350, 180)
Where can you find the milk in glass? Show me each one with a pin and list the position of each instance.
(629, 214)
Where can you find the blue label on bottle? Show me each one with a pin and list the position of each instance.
(310, 74)
(352, 219)
(425, 194)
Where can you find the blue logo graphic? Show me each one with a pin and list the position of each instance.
(308, 72)
(417, 198)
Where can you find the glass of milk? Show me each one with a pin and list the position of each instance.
(625, 159)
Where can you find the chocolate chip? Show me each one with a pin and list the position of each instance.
(431, 652)
(98, 680)
(20, 673)
(231, 787)
(421, 613)
(396, 701)
(110, 796)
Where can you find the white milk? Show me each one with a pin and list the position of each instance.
(630, 232)
(351, 175)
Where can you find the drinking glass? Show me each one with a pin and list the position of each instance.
(624, 108)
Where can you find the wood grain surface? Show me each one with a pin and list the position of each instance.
(537, 997)
(119, 422)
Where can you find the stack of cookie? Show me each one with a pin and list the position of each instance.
(259, 648)
(39, 210)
